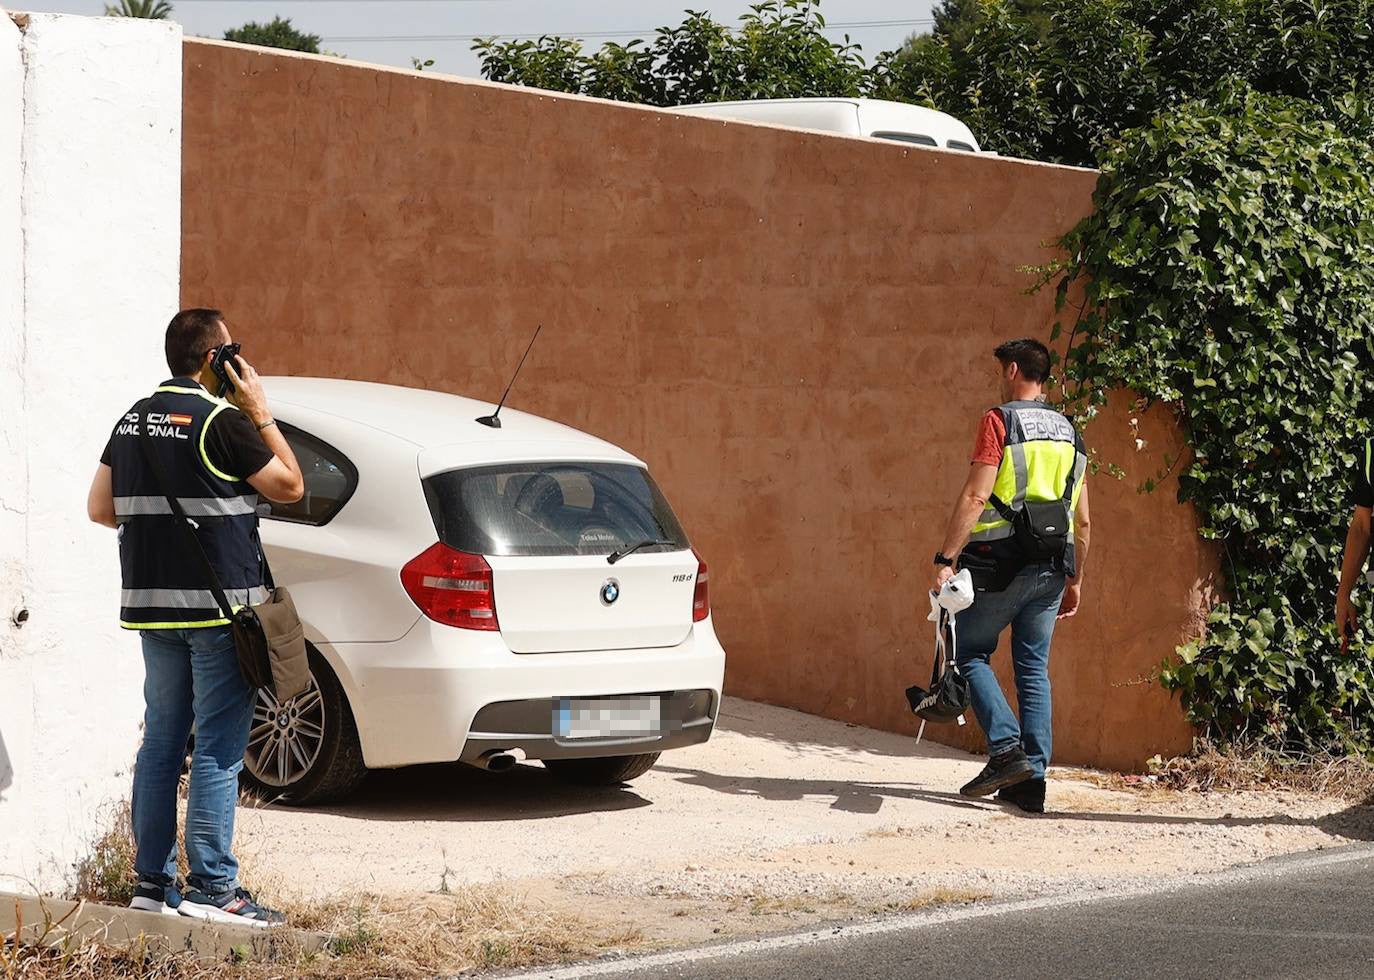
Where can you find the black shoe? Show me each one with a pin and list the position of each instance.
(149, 896)
(235, 906)
(1007, 769)
(1029, 795)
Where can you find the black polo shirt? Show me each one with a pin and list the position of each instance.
(1362, 492)
(232, 441)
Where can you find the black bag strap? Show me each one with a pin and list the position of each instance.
(267, 580)
(150, 454)
(1009, 515)
(943, 661)
(1003, 508)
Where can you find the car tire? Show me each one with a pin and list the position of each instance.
(335, 767)
(608, 771)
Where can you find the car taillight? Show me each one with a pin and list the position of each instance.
(452, 587)
(701, 599)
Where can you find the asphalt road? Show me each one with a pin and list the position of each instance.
(1292, 918)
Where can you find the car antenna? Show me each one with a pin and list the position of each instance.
(493, 421)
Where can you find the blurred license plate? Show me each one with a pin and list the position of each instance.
(607, 717)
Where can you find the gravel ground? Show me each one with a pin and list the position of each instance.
(781, 820)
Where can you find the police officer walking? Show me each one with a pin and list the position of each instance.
(1020, 526)
(216, 456)
(1356, 541)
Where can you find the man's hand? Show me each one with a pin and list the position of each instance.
(1068, 606)
(1345, 621)
(943, 573)
(247, 395)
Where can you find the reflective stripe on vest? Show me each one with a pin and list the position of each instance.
(142, 506)
(1041, 452)
(188, 598)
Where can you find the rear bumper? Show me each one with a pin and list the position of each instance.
(415, 700)
(687, 719)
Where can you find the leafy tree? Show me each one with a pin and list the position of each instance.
(552, 63)
(1228, 271)
(1095, 68)
(277, 34)
(956, 20)
(778, 51)
(146, 9)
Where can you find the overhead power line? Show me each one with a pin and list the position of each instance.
(412, 38)
(179, 2)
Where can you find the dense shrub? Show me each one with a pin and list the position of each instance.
(1229, 272)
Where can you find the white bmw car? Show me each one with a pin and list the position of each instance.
(476, 594)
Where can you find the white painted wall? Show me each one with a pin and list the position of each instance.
(13, 452)
(101, 226)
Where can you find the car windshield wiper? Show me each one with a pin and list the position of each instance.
(615, 556)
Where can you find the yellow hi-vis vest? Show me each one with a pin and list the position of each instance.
(1043, 459)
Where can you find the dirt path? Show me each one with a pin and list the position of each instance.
(782, 820)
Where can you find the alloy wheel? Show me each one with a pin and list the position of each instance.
(285, 739)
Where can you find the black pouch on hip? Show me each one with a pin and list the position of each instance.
(992, 565)
(1042, 530)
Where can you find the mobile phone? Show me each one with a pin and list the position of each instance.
(224, 353)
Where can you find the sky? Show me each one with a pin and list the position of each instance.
(443, 29)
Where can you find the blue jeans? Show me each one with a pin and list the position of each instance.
(1029, 606)
(191, 675)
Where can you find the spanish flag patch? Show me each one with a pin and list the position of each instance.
(179, 419)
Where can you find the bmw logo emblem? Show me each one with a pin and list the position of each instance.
(610, 592)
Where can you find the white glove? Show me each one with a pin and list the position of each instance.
(955, 595)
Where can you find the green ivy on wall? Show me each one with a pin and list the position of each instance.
(1228, 270)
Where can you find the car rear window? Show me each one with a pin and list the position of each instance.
(551, 509)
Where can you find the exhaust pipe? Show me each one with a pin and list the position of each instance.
(495, 760)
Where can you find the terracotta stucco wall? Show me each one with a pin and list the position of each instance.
(792, 329)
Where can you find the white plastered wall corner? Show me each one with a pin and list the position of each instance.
(90, 230)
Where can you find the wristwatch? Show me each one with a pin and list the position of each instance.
(940, 559)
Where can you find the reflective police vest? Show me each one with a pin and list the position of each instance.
(164, 581)
(1043, 460)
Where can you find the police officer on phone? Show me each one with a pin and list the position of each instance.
(1020, 526)
(216, 456)
(1356, 541)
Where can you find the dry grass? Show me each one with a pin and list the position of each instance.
(106, 873)
(56, 947)
(92, 960)
(759, 903)
(1248, 769)
(472, 927)
(762, 904)
(935, 898)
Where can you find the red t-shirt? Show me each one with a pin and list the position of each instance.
(992, 438)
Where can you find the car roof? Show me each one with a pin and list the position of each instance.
(874, 115)
(436, 419)
(815, 100)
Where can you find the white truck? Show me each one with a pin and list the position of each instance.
(875, 118)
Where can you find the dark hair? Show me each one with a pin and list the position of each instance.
(1028, 354)
(190, 334)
